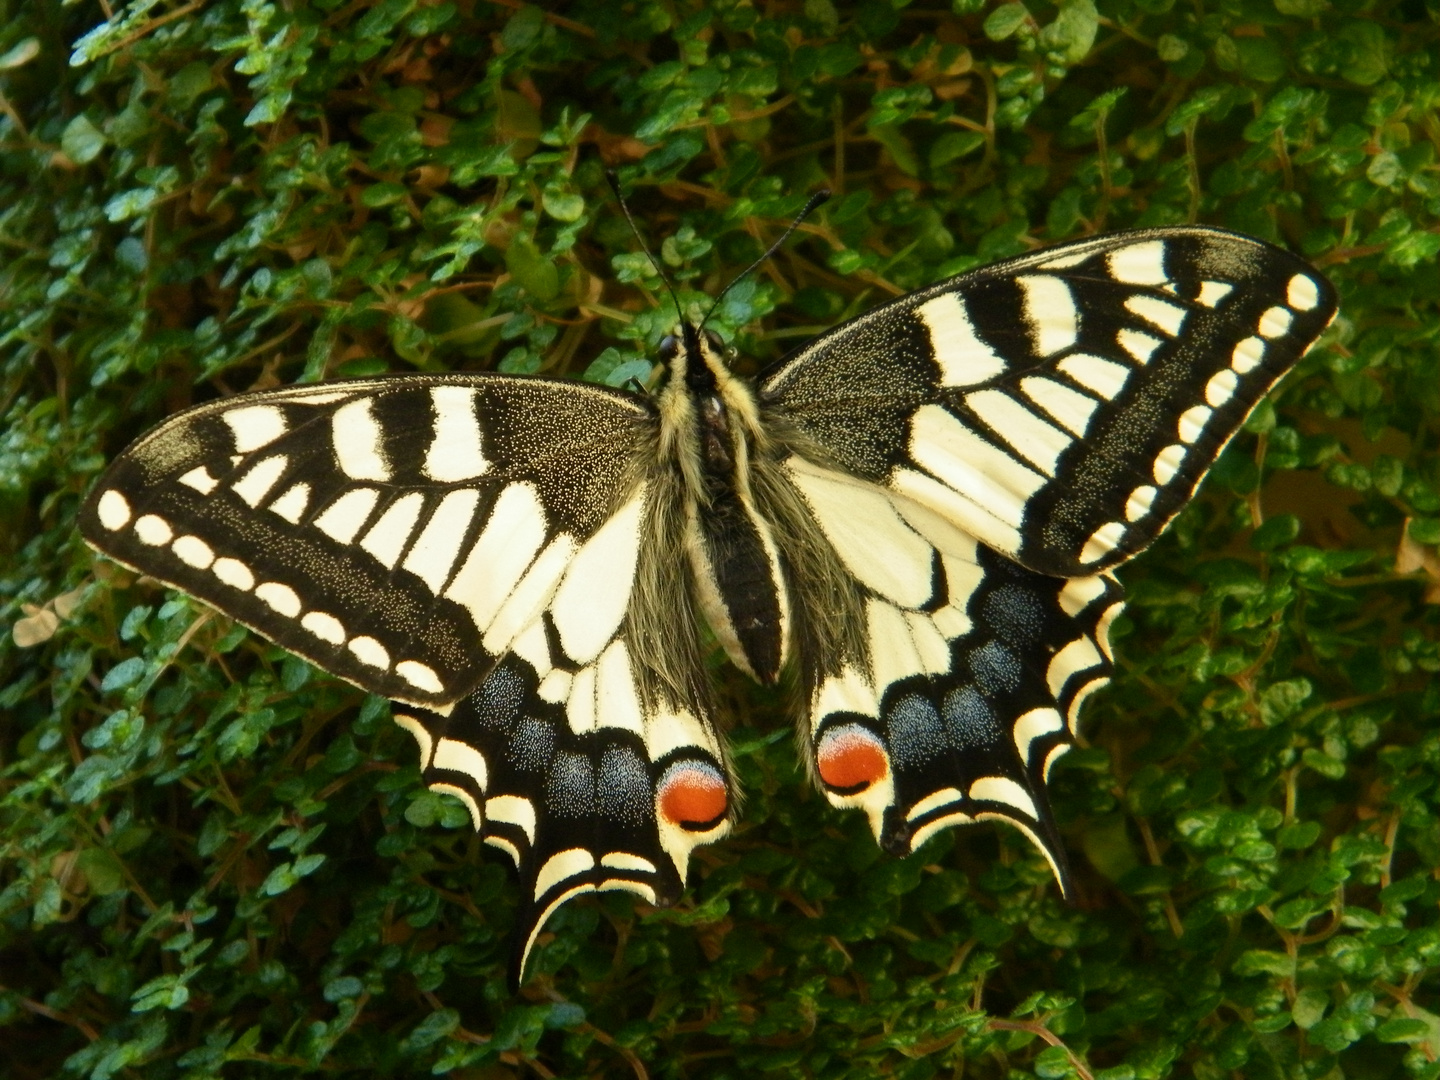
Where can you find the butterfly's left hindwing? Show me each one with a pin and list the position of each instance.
(398, 532)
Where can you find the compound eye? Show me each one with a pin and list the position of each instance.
(713, 340)
(669, 346)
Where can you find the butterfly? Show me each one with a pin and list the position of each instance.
(918, 514)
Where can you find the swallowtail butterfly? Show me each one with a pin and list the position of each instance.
(919, 512)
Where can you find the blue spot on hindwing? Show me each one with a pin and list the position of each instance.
(914, 731)
(970, 719)
(996, 669)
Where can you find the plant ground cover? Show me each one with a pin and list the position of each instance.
(216, 861)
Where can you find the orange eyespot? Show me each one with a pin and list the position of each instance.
(851, 758)
(692, 795)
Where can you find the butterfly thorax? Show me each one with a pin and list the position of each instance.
(711, 433)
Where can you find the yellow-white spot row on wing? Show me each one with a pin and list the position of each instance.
(936, 799)
(369, 651)
(846, 692)
(1057, 751)
(154, 530)
(476, 817)
(580, 705)
(1070, 408)
(1301, 293)
(461, 757)
(1167, 316)
(456, 449)
(1275, 322)
(343, 518)
(1050, 312)
(1031, 835)
(252, 426)
(113, 510)
(234, 573)
(617, 702)
(291, 505)
(438, 545)
(867, 532)
(324, 626)
(672, 728)
(593, 597)
(513, 810)
(1079, 655)
(1139, 264)
(952, 622)
(940, 824)
(1102, 628)
(200, 480)
(530, 595)
(1002, 789)
(1079, 593)
(1212, 292)
(1168, 462)
(1139, 345)
(1037, 441)
(893, 655)
(555, 687)
(358, 441)
(977, 518)
(1192, 422)
(1072, 714)
(962, 578)
(1247, 355)
(1102, 541)
(1104, 377)
(495, 840)
(532, 647)
(963, 358)
(639, 888)
(1221, 387)
(624, 860)
(938, 531)
(1035, 724)
(421, 676)
(280, 598)
(1138, 505)
(193, 551)
(930, 644)
(386, 539)
(257, 482)
(973, 468)
(510, 541)
(422, 736)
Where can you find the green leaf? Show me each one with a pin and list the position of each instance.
(81, 140)
(1005, 20)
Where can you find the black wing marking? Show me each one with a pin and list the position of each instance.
(399, 532)
(972, 679)
(580, 781)
(1064, 405)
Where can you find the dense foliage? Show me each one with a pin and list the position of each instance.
(215, 860)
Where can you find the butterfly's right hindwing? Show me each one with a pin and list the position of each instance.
(399, 532)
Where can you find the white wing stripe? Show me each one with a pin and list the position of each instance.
(1139, 264)
(356, 436)
(1070, 408)
(963, 358)
(1032, 438)
(972, 467)
(254, 425)
(595, 594)
(510, 540)
(1104, 377)
(386, 539)
(1051, 312)
(456, 447)
(344, 517)
(438, 545)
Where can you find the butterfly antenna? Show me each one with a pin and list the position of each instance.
(815, 200)
(625, 207)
